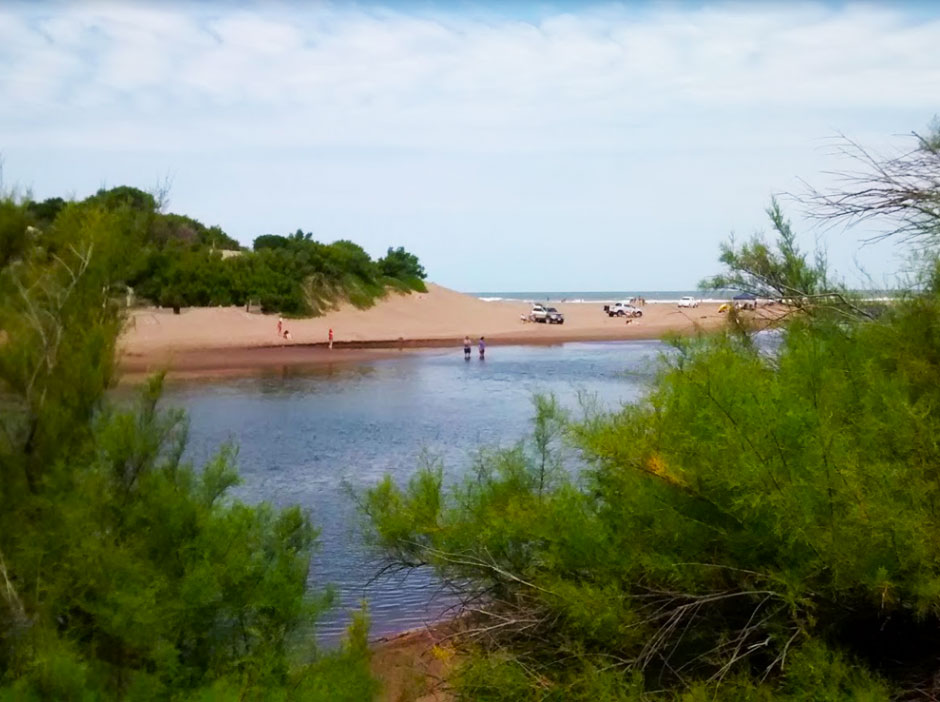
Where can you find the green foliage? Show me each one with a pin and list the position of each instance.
(759, 527)
(15, 221)
(176, 261)
(400, 264)
(270, 241)
(125, 197)
(125, 572)
(189, 232)
(771, 272)
(46, 211)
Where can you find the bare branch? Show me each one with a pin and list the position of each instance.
(11, 597)
(902, 191)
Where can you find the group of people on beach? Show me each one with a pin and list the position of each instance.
(466, 348)
(284, 333)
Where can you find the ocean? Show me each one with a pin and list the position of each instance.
(317, 438)
(651, 296)
(606, 296)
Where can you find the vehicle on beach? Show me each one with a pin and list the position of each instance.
(546, 315)
(745, 301)
(622, 309)
(688, 301)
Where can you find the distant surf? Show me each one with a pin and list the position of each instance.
(603, 296)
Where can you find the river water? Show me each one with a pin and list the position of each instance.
(308, 438)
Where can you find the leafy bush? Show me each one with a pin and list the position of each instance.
(176, 261)
(401, 265)
(759, 527)
(124, 571)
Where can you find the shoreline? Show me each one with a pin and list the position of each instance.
(227, 341)
(241, 361)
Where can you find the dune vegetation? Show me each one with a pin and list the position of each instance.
(126, 572)
(762, 526)
(175, 261)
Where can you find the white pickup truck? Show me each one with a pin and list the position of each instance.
(688, 301)
(622, 309)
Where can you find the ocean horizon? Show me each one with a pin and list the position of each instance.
(651, 296)
(604, 296)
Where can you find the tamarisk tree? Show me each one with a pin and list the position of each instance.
(125, 572)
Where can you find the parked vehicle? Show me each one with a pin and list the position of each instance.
(553, 316)
(545, 315)
(622, 309)
(688, 301)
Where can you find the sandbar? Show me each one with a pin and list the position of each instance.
(209, 341)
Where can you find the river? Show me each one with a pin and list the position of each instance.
(308, 438)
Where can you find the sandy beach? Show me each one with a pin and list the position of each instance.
(204, 341)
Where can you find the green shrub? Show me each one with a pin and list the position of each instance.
(125, 572)
(760, 526)
(176, 261)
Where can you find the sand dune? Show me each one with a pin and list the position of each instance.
(203, 338)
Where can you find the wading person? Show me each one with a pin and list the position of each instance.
(482, 348)
(331, 337)
(466, 348)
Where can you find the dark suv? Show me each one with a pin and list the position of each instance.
(553, 316)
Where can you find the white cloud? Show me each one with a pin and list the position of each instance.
(325, 73)
(501, 131)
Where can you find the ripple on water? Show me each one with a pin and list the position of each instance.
(308, 438)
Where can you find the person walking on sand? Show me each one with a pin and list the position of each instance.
(331, 337)
(482, 348)
(280, 325)
(466, 348)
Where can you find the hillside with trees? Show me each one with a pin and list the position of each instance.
(762, 526)
(176, 261)
(125, 571)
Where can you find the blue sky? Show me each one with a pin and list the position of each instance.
(520, 146)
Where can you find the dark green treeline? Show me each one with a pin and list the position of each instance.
(175, 261)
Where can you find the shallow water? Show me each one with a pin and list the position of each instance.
(307, 438)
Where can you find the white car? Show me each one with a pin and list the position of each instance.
(622, 309)
(688, 301)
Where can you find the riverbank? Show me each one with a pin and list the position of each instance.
(229, 340)
(413, 666)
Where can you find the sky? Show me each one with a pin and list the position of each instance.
(511, 146)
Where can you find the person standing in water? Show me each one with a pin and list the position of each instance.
(331, 337)
(466, 348)
(482, 348)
